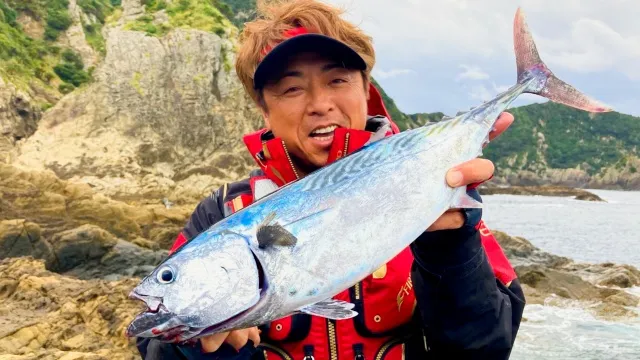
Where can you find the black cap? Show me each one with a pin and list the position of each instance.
(275, 61)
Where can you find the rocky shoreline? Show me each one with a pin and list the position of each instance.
(69, 257)
(541, 190)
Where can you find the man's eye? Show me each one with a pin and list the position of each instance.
(292, 89)
(338, 81)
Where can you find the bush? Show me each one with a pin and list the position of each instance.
(59, 20)
(71, 57)
(66, 88)
(7, 14)
(71, 69)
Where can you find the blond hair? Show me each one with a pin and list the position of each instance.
(277, 16)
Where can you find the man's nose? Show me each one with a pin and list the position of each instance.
(320, 101)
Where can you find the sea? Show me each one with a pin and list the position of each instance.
(592, 232)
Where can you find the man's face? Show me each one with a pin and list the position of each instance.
(310, 99)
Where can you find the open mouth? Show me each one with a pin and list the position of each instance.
(323, 135)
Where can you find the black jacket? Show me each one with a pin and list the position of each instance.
(462, 308)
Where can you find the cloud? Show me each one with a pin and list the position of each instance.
(584, 35)
(592, 44)
(472, 73)
(381, 74)
(480, 92)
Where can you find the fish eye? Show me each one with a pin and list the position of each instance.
(165, 275)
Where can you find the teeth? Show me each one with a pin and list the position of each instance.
(324, 130)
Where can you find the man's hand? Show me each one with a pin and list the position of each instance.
(470, 172)
(236, 338)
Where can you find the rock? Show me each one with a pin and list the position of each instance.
(49, 316)
(132, 9)
(32, 27)
(82, 245)
(550, 281)
(123, 260)
(22, 238)
(623, 299)
(521, 252)
(612, 311)
(545, 190)
(622, 280)
(56, 206)
(19, 116)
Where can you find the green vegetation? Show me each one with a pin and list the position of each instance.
(20, 56)
(207, 15)
(58, 18)
(573, 137)
(70, 70)
(23, 58)
(7, 14)
(402, 120)
(241, 10)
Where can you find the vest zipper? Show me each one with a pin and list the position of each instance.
(346, 144)
(333, 340)
(295, 172)
(358, 350)
(357, 290)
(383, 350)
(308, 352)
(277, 350)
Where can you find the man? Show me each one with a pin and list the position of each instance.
(451, 293)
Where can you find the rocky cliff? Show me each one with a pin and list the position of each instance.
(162, 118)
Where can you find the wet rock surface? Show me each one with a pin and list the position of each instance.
(543, 190)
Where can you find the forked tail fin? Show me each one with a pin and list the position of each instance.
(549, 86)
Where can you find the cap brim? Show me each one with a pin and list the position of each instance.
(276, 59)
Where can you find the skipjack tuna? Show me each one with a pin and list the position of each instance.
(294, 249)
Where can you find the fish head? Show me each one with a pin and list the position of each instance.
(201, 286)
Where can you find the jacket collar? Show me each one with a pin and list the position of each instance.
(271, 155)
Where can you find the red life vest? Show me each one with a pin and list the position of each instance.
(385, 300)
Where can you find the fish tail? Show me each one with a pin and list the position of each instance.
(541, 81)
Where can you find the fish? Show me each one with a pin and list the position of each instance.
(294, 249)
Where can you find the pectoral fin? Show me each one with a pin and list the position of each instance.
(269, 235)
(331, 309)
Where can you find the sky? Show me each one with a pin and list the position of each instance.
(451, 55)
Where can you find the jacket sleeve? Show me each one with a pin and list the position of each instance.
(463, 308)
(207, 213)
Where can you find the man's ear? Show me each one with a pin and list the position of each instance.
(265, 117)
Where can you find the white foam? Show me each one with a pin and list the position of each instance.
(574, 333)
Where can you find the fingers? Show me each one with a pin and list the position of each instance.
(504, 121)
(470, 172)
(452, 219)
(238, 338)
(212, 343)
(254, 335)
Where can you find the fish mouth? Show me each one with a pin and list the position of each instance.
(157, 321)
(160, 323)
